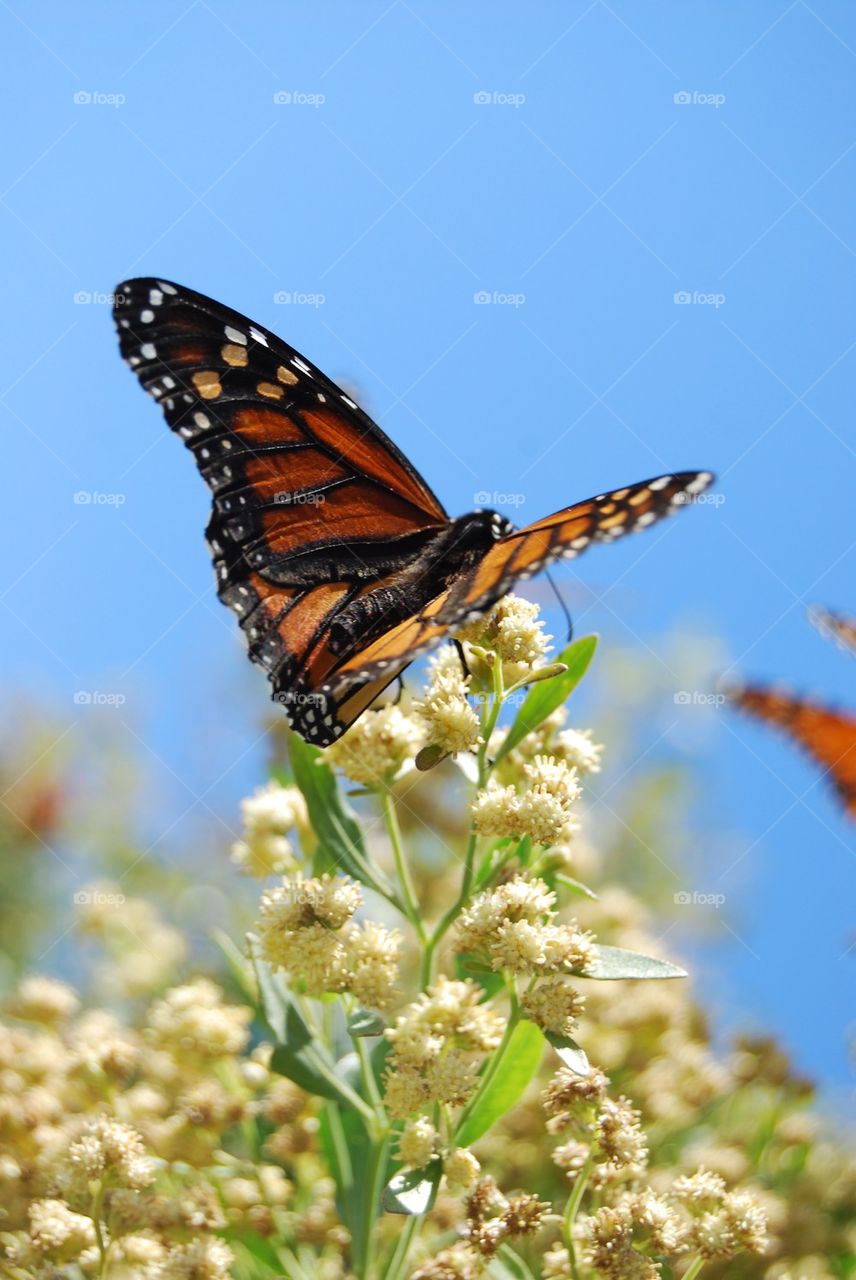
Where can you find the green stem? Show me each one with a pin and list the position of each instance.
(402, 1247)
(694, 1268)
(489, 719)
(495, 1062)
(97, 1202)
(377, 1178)
(571, 1210)
(411, 904)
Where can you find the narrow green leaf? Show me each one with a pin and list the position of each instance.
(615, 962)
(413, 1192)
(576, 886)
(572, 1056)
(508, 1265)
(340, 840)
(545, 696)
(363, 1022)
(297, 1054)
(519, 1063)
(238, 964)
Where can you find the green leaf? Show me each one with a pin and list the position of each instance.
(414, 1191)
(297, 1053)
(238, 964)
(347, 1150)
(545, 696)
(508, 1265)
(518, 1065)
(572, 1056)
(615, 962)
(576, 886)
(340, 840)
(363, 1022)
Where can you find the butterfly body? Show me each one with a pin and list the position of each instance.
(340, 563)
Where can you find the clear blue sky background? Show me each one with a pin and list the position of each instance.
(386, 186)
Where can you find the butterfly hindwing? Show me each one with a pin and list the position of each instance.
(518, 555)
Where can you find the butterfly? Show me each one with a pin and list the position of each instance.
(338, 559)
(825, 733)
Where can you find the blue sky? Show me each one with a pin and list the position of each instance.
(580, 164)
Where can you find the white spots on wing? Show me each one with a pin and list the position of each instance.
(258, 336)
(235, 335)
(202, 420)
(148, 351)
(147, 316)
(578, 543)
(647, 517)
(700, 483)
(155, 297)
(322, 397)
(301, 364)
(168, 382)
(349, 402)
(660, 483)
(167, 288)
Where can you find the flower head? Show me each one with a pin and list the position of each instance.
(377, 746)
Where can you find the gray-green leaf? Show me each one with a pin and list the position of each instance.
(414, 1191)
(615, 962)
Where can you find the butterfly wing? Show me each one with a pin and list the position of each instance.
(518, 555)
(826, 735)
(835, 626)
(312, 502)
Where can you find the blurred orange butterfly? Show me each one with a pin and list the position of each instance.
(339, 561)
(826, 734)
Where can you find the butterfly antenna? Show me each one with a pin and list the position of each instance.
(557, 593)
(463, 657)
(400, 682)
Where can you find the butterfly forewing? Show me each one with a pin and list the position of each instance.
(825, 734)
(314, 508)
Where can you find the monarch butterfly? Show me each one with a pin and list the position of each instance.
(339, 561)
(826, 734)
